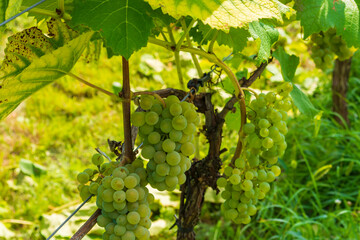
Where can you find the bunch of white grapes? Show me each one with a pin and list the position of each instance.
(167, 134)
(325, 45)
(247, 180)
(122, 197)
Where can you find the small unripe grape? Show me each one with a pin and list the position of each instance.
(168, 145)
(249, 128)
(146, 102)
(151, 118)
(267, 142)
(221, 182)
(83, 177)
(97, 159)
(175, 109)
(179, 122)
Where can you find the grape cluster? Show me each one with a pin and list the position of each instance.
(167, 135)
(122, 197)
(247, 179)
(325, 45)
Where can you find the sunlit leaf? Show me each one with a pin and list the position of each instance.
(223, 14)
(34, 60)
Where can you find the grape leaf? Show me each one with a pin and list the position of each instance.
(288, 65)
(125, 25)
(50, 5)
(3, 6)
(267, 35)
(235, 38)
(320, 15)
(13, 8)
(223, 14)
(34, 60)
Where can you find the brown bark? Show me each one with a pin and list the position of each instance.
(87, 226)
(339, 89)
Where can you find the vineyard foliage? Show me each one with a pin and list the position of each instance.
(230, 44)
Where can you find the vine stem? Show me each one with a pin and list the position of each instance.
(90, 84)
(126, 93)
(150, 93)
(61, 5)
(177, 56)
(250, 90)
(186, 32)
(211, 45)
(193, 56)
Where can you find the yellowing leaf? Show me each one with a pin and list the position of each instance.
(34, 60)
(223, 14)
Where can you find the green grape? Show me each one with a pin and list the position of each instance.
(171, 181)
(264, 123)
(175, 170)
(228, 171)
(131, 181)
(128, 235)
(190, 115)
(270, 176)
(146, 102)
(159, 157)
(103, 221)
(154, 138)
(190, 129)
(175, 109)
(179, 123)
(162, 169)
(171, 100)
(109, 228)
(106, 182)
(83, 177)
(93, 189)
(108, 206)
(121, 220)
(270, 97)
(97, 159)
(146, 129)
(107, 195)
(221, 182)
(249, 175)
(240, 163)
(173, 158)
(148, 152)
(119, 230)
(168, 145)
(264, 187)
(247, 185)
(175, 135)
(267, 142)
(157, 108)
(264, 132)
(85, 192)
(119, 196)
(166, 125)
(140, 232)
(138, 119)
(166, 114)
(117, 184)
(151, 118)
(235, 179)
(188, 149)
(249, 128)
(132, 195)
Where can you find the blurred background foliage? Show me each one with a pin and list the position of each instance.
(52, 135)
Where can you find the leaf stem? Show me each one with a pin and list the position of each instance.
(45, 12)
(211, 45)
(193, 56)
(177, 57)
(250, 90)
(186, 32)
(91, 85)
(61, 5)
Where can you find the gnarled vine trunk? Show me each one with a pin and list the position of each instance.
(339, 89)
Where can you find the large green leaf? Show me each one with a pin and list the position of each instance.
(235, 38)
(124, 24)
(267, 35)
(223, 14)
(320, 15)
(3, 6)
(289, 64)
(50, 5)
(34, 60)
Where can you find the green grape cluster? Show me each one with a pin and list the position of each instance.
(167, 135)
(325, 45)
(123, 199)
(247, 179)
